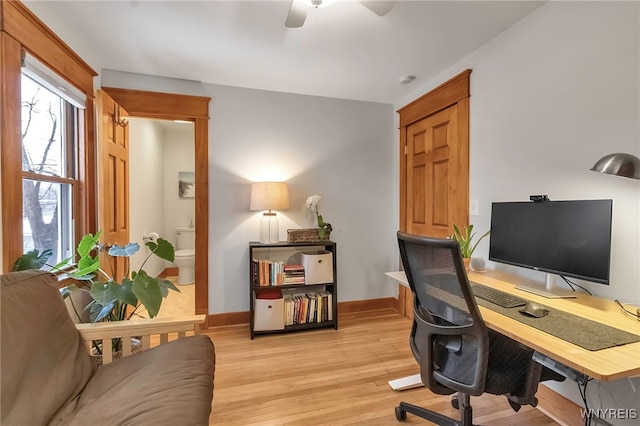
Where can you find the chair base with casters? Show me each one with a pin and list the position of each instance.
(466, 412)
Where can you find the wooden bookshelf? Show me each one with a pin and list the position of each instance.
(265, 258)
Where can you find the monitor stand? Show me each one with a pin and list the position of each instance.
(550, 291)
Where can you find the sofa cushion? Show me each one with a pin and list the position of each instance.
(44, 362)
(167, 385)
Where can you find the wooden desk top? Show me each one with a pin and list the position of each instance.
(604, 365)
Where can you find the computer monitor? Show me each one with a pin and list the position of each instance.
(567, 238)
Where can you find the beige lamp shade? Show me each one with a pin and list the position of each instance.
(269, 196)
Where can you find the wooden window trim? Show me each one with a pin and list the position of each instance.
(21, 30)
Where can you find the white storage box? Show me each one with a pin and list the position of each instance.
(269, 314)
(318, 266)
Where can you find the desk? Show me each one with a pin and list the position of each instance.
(604, 365)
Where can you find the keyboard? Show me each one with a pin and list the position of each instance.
(498, 297)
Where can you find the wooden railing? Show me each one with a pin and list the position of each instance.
(142, 329)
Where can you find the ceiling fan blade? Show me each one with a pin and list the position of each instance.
(297, 14)
(379, 7)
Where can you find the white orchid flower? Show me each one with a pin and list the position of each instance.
(312, 201)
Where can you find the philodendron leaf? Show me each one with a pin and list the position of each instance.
(165, 285)
(126, 251)
(62, 264)
(105, 293)
(147, 290)
(86, 267)
(99, 312)
(32, 260)
(163, 249)
(126, 294)
(66, 291)
(87, 244)
(168, 285)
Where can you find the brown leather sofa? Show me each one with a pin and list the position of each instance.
(48, 377)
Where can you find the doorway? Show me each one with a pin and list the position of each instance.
(167, 106)
(161, 162)
(434, 164)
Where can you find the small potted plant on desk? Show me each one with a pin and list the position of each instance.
(465, 239)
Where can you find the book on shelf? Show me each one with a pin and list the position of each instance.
(327, 305)
(267, 272)
(308, 307)
(288, 310)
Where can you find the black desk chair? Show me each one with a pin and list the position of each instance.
(449, 339)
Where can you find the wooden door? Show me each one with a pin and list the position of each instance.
(434, 160)
(434, 175)
(113, 180)
(434, 165)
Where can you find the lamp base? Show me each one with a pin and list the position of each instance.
(269, 229)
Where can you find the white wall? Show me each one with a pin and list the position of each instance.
(179, 156)
(146, 189)
(341, 150)
(159, 150)
(549, 97)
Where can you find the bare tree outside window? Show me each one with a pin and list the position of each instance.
(46, 183)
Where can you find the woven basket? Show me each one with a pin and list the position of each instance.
(306, 235)
(136, 346)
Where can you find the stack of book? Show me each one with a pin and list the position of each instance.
(293, 274)
(270, 273)
(304, 308)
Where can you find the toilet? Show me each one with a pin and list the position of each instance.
(185, 255)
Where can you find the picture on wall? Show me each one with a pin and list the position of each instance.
(186, 184)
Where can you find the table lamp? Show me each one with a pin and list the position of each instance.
(269, 196)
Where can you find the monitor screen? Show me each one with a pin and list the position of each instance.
(569, 238)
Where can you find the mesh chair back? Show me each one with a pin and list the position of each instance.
(449, 338)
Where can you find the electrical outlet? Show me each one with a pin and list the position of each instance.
(473, 208)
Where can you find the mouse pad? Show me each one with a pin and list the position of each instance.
(582, 332)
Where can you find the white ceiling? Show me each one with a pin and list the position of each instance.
(343, 50)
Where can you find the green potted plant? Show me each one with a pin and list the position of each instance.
(110, 299)
(465, 239)
(114, 300)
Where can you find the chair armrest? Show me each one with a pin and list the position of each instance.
(141, 328)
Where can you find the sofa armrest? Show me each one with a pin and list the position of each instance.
(141, 328)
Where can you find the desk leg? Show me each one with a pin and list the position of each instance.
(409, 382)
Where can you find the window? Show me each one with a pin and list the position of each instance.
(49, 129)
(61, 176)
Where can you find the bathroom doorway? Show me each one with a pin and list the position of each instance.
(162, 202)
(167, 106)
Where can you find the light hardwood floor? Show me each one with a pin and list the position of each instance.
(177, 303)
(329, 377)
